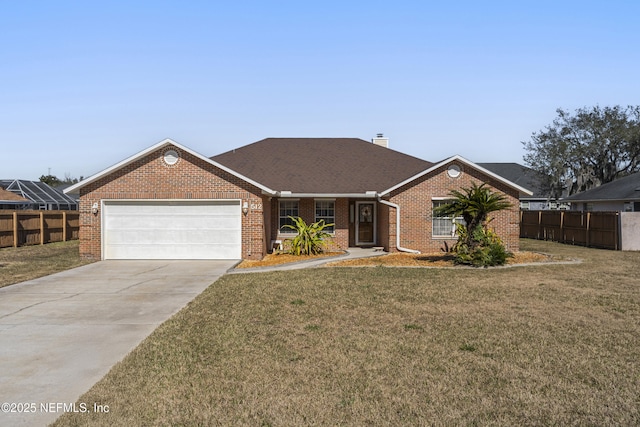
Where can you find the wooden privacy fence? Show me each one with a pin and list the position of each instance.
(592, 229)
(19, 228)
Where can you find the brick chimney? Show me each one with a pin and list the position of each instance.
(381, 140)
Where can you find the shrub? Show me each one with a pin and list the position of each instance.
(476, 245)
(311, 238)
(487, 251)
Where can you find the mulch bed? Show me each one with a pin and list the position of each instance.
(277, 259)
(432, 260)
(440, 259)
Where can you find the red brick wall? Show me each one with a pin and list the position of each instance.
(385, 239)
(190, 178)
(194, 178)
(306, 210)
(415, 200)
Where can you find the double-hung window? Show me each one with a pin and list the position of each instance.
(444, 226)
(287, 208)
(326, 210)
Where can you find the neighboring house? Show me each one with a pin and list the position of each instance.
(9, 200)
(622, 195)
(73, 196)
(169, 202)
(40, 196)
(527, 178)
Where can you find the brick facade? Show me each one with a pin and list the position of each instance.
(416, 206)
(190, 178)
(306, 210)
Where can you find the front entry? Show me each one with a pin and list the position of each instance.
(365, 223)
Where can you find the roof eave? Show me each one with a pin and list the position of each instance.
(468, 163)
(289, 195)
(74, 188)
(538, 198)
(616, 199)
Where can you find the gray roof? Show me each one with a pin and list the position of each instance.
(39, 194)
(520, 175)
(622, 189)
(322, 165)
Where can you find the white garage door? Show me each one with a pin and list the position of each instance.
(172, 229)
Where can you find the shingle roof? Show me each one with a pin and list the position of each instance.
(520, 175)
(322, 165)
(8, 196)
(627, 188)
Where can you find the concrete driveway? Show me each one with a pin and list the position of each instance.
(62, 333)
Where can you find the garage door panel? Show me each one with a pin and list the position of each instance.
(177, 251)
(172, 236)
(190, 226)
(122, 222)
(172, 230)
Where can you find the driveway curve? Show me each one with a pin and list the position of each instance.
(62, 333)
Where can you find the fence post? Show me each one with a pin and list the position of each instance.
(588, 230)
(617, 232)
(540, 225)
(41, 227)
(64, 226)
(15, 229)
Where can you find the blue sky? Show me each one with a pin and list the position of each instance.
(86, 84)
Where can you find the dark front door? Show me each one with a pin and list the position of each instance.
(365, 223)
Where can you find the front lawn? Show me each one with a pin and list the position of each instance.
(30, 262)
(536, 345)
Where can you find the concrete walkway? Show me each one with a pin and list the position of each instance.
(62, 333)
(352, 253)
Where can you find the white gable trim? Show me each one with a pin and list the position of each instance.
(469, 163)
(163, 143)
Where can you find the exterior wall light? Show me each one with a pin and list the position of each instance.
(94, 208)
(245, 208)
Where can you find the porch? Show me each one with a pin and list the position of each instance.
(358, 223)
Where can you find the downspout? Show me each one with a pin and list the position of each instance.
(397, 208)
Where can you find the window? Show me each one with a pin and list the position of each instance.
(326, 210)
(444, 226)
(288, 208)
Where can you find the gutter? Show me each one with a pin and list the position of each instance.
(289, 194)
(397, 208)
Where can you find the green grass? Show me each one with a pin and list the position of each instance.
(540, 345)
(30, 262)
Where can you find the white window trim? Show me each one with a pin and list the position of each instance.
(286, 231)
(315, 217)
(458, 219)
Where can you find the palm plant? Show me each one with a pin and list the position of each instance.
(474, 205)
(311, 238)
(475, 243)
